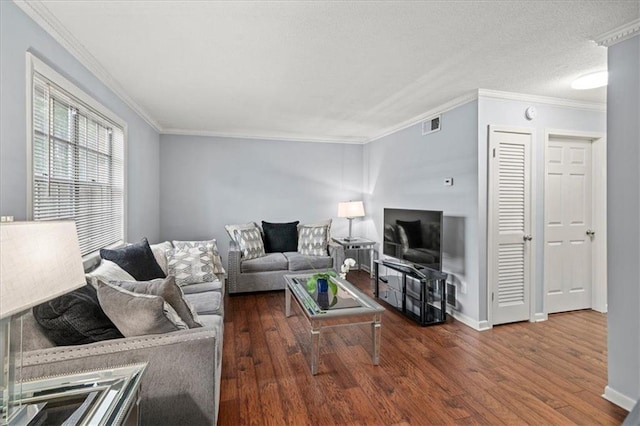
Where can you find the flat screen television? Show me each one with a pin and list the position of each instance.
(414, 237)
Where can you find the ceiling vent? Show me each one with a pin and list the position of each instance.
(431, 125)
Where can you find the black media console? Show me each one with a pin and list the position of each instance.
(420, 294)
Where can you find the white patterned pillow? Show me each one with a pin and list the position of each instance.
(313, 240)
(231, 229)
(190, 265)
(210, 246)
(250, 242)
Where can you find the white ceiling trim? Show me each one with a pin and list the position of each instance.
(447, 106)
(37, 11)
(185, 132)
(567, 103)
(618, 34)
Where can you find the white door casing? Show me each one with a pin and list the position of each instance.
(510, 224)
(568, 224)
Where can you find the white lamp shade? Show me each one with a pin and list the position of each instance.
(351, 209)
(38, 262)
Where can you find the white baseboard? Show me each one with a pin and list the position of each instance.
(469, 322)
(539, 317)
(618, 398)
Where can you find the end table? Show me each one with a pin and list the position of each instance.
(359, 244)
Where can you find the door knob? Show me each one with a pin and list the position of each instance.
(591, 232)
(527, 237)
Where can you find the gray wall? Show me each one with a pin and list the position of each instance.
(208, 182)
(19, 34)
(406, 170)
(511, 113)
(623, 201)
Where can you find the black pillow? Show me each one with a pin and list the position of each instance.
(137, 259)
(75, 318)
(413, 231)
(280, 237)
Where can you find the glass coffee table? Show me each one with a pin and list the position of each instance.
(342, 304)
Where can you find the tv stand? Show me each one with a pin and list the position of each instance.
(419, 295)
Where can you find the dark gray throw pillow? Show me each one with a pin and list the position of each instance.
(75, 318)
(280, 237)
(137, 259)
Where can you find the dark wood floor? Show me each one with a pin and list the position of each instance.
(547, 373)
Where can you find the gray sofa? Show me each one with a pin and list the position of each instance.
(267, 273)
(181, 384)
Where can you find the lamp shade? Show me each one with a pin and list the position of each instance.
(351, 209)
(38, 262)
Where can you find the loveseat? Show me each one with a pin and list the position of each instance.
(181, 384)
(264, 269)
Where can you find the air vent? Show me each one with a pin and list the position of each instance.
(431, 125)
(451, 296)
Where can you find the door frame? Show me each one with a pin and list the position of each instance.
(598, 209)
(491, 257)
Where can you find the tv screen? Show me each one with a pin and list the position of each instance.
(414, 236)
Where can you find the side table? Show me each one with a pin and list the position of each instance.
(359, 244)
(95, 397)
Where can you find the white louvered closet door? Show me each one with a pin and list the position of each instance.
(510, 216)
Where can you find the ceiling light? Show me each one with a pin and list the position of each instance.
(590, 81)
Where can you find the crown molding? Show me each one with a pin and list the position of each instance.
(559, 102)
(204, 133)
(618, 34)
(447, 106)
(37, 11)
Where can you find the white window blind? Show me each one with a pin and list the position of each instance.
(78, 166)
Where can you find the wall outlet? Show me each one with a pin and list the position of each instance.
(463, 287)
(448, 181)
(6, 218)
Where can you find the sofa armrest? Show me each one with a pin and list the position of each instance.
(179, 386)
(233, 269)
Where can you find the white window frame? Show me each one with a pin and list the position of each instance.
(33, 65)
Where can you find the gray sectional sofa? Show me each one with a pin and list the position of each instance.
(267, 272)
(181, 385)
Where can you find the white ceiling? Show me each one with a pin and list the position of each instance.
(339, 70)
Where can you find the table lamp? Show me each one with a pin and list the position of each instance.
(38, 262)
(350, 210)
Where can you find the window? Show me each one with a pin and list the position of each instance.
(77, 160)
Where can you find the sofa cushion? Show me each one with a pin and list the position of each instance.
(137, 259)
(138, 314)
(107, 271)
(268, 262)
(313, 240)
(279, 237)
(208, 303)
(202, 287)
(75, 318)
(190, 265)
(211, 321)
(169, 291)
(250, 243)
(160, 254)
(209, 245)
(301, 262)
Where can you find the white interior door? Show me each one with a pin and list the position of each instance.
(568, 221)
(510, 225)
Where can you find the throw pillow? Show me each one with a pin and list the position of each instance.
(137, 259)
(190, 265)
(106, 272)
(138, 314)
(169, 291)
(75, 318)
(204, 245)
(280, 237)
(160, 254)
(413, 230)
(313, 240)
(231, 229)
(250, 242)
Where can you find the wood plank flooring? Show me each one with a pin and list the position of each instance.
(548, 373)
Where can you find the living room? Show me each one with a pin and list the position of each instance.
(188, 184)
